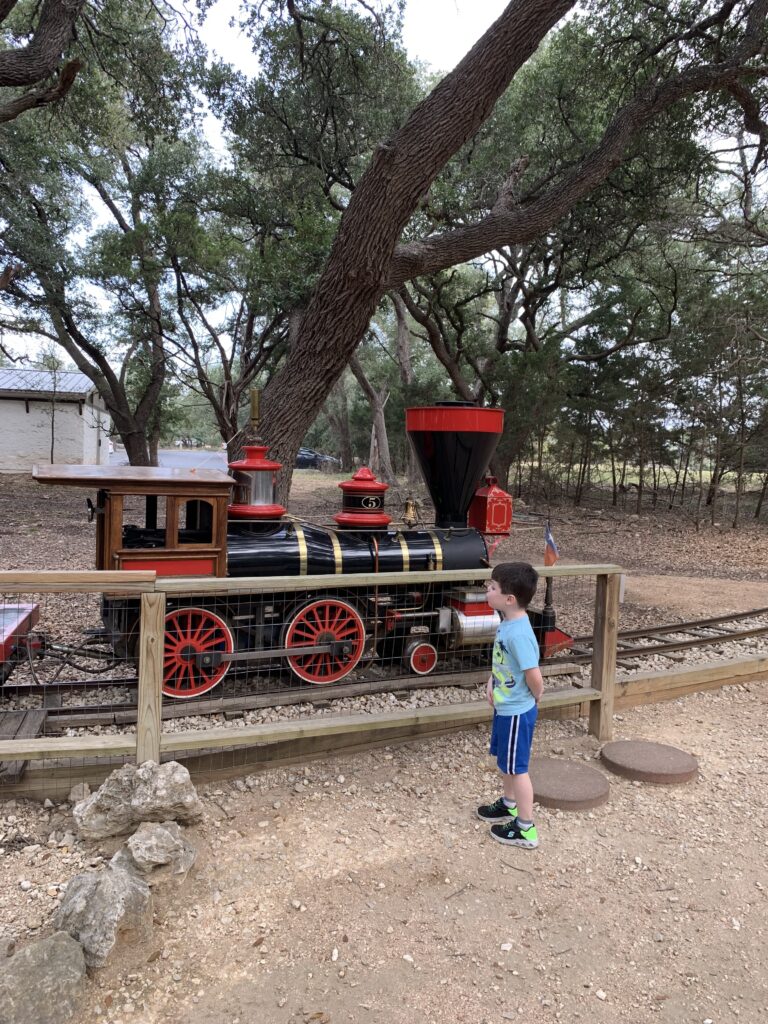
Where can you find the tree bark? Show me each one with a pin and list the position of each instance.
(41, 97)
(761, 499)
(136, 446)
(55, 29)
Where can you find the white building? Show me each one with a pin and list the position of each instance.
(50, 417)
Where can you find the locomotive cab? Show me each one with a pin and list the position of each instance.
(171, 520)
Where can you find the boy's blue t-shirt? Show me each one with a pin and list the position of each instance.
(514, 650)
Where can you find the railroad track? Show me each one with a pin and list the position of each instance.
(701, 633)
(632, 644)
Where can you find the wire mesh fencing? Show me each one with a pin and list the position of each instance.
(116, 668)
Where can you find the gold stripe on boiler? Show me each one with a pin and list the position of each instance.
(406, 553)
(438, 550)
(337, 556)
(301, 540)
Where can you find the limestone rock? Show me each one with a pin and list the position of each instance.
(100, 906)
(156, 846)
(132, 794)
(43, 983)
(79, 792)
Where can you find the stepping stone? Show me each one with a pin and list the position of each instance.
(649, 762)
(567, 785)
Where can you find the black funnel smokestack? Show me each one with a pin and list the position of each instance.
(454, 442)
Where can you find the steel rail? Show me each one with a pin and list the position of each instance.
(680, 627)
(125, 713)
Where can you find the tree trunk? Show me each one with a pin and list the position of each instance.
(686, 468)
(531, 471)
(55, 28)
(154, 446)
(583, 460)
(761, 499)
(714, 480)
(614, 481)
(366, 260)
(379, 453)
(136, 447)
(398, 177)
(540, 460)
(569, 470)
(500, 467)
(403, 350)
(742, 441)
(338, 415)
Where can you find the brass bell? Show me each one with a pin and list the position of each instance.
(410, 513)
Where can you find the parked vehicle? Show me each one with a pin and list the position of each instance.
(308, 458)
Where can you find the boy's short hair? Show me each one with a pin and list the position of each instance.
(517, 578)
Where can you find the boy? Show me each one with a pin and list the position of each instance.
(514, 688)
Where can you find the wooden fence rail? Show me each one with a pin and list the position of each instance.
(149, 742)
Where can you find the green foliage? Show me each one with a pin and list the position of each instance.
(627, 333)
(333, 82)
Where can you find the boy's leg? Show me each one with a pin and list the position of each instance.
(519, 831)
(520, 789)
(504, 808)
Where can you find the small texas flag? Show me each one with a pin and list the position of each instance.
(551, 552)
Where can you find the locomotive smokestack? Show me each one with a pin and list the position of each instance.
(454, 442)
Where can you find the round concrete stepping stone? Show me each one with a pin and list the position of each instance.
(649, 762)
(567, 785)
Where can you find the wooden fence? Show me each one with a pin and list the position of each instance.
(315, 735)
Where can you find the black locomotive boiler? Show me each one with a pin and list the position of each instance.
(192, 526)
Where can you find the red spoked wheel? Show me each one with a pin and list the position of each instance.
(326, 621)
(191, 634)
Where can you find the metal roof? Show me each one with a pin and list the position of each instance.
(63, 383)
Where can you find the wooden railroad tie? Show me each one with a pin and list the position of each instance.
(18, 725)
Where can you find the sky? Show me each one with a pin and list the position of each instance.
(438, 32)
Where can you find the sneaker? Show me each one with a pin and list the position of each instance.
(511, 834)
(497, 811)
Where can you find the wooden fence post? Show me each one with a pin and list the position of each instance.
(149, 702)
(604, 655)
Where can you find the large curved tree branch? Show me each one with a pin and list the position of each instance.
(41, 97)
(505, 226)
(398, 177)
(40, 58)
(366, 260)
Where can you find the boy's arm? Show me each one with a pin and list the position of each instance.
(489, 690)
(535, 682)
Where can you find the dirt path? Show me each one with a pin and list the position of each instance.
(691, 595)
(364, 890)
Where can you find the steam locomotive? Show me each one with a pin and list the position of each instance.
(191, 526)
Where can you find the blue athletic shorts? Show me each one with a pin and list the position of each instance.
(511, 739)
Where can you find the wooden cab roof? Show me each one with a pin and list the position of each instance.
(136, 479)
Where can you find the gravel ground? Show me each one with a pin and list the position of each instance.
(363, 889)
